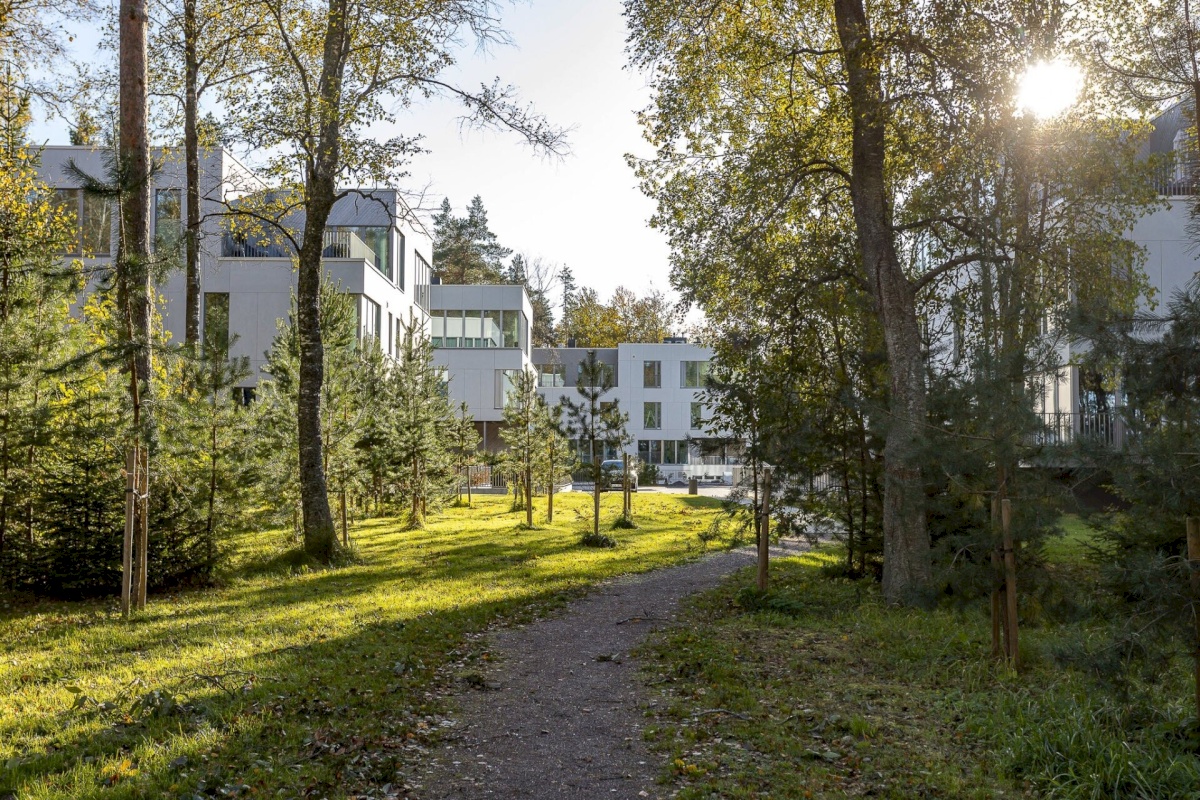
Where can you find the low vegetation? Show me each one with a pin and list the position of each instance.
(289, 681)
(820, 690)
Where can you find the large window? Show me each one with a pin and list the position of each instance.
(454, 328)
(420, 280)
(168, 217)
(652, 374)
(472, 330)
(216, 321)
(552, 376)
(372, 321)
(694, 374)
(437, 327)
(675, 451)
(650, 451)
(491, 329)
(512, 329)
(504, 385)
(651, 416)
(400, 263)
(93, 222)
(697, 416)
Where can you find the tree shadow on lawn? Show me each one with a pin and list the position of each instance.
(319, 669)
(320, 719)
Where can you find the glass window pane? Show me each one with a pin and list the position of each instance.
(511, 326)
(655, 451)
(644, 450)
(524, 341)
(454, 328)
(68, 201)
(697, 416)
(491, 329)
(652, 416)
(681, 451)
(652, 374)
(168, 217)
(437, 326)
(472, 330)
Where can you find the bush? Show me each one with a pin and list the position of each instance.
(603, 540)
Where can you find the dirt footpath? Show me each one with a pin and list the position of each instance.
(559, 715)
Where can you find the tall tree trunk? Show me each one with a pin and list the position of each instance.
(134, 246)
(191, 149)
(906, 557)
(528, 491)
(320, 536)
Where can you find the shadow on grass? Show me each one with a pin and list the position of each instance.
(291, 680)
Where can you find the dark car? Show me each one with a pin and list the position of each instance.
(613, 472)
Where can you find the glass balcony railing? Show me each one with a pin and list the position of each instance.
(337, 243)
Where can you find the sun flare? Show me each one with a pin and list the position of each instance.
(1048, 88)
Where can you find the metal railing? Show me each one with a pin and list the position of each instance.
(1064, 427)
(234, 246)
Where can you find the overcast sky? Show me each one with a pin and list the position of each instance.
(568, 60)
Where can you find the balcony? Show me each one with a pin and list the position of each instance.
(337, 243)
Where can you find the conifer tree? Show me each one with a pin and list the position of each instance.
(465, 438)
(523, 433)
(555, 457)
(422, 421)
(597, 424)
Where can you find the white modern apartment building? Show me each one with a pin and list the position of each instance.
(1076, 403)
(374, 249)
(481, 339)
(659, 386)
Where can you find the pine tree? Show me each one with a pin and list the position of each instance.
(465, 438)
(597, 424)
(555, 457)
(523, 434)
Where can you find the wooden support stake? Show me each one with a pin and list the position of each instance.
(1193, 545)
(627, 503)
(764, 533)
(127, 548)
(142, 549)
(345, 527)
(997, 581)
(1010, 584)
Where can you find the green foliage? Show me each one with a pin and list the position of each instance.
(598, 540)
(464, 248)
(918, 707)
(590, 322)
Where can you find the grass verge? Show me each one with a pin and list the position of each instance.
(292, 682)
(820, 691)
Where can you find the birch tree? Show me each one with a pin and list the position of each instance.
(333, 70)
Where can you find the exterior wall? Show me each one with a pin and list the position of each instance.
(674, 399)
(472, 373)
(260, 289)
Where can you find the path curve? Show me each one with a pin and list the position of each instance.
(560, 715)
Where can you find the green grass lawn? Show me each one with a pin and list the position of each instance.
(293, 682)
(820, 691)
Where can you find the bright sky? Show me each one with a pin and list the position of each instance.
(586, 211)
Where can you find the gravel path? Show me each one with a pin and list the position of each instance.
(560, 715)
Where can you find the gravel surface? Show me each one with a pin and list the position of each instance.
(558, 716)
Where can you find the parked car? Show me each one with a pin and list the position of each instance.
(613, 471)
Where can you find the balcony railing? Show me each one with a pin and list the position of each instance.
(340, 243)
(337, 243)
(1064, 427)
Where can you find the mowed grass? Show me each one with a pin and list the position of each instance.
(821, 691)
(292, 682)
